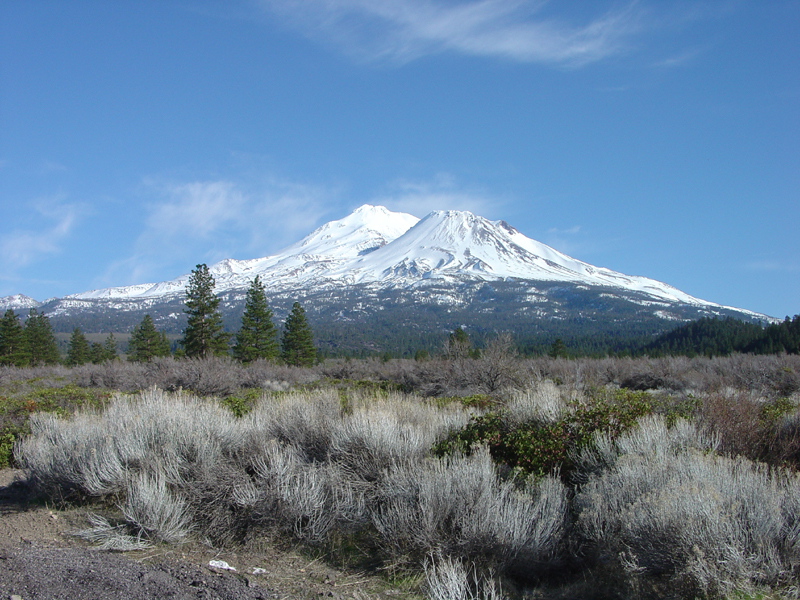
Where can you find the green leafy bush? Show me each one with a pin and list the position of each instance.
(243, 403)
(540, 448)
(7, 439)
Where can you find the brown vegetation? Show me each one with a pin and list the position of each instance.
(698, 497)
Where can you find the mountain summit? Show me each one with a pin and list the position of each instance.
(454, 266)
(374, 245)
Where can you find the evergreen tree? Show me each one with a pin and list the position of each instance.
(39, 338)
(297, 343)
(13, 350)
(558, 349)
(110, 348)
(163, 344)
(96, 353)
(79, 351)
(257, 336)
(146, 343)
(106, 351)
(203, 335)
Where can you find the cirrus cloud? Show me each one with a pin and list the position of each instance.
(400, 31)
(22, 247)
(207, 221)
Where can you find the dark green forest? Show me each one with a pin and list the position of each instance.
(722, 337)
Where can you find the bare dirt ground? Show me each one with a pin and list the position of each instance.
(40, 560)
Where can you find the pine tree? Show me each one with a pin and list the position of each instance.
(557, 349)
(96, 353)
(105, 351)
(297, 343)
(79, 351)
(39, 338)
(257, 336)
(146, 343)
(203, 335)
(163, 345)
(13, 349)
(110, 348)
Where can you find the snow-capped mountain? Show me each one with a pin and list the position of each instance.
(18, 302)
(457, 245)
(388, 249)
(377, 261)
(323, 256)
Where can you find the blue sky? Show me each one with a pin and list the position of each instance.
(654, 138)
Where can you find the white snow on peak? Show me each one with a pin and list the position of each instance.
(457, 244)
(375, 246)
(327, 249)
(364, 230)
(17, 302)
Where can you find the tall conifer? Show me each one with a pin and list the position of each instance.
(110, 348)
(146, 343)
(203, 335)
(39, 338)
(13, 350)
(257, 336)
(297, 343)
(79, 351)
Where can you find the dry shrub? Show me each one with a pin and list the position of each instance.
(543, 402)
(304, 500)
(758, 428)
(305, 421)
(299, 464)
(95, 453)
(449, 579)
(458, 507)
(212, 376)
(154, 510)
(664, 505)
(785, 446)
(382, 433)
(273, 376)
(736, 418)
(105, 536)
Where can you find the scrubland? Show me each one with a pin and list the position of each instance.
(476, 478)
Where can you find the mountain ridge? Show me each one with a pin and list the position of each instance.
(375, 261)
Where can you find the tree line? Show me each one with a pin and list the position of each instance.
(721, 337)
(257, 338)
(34, 343)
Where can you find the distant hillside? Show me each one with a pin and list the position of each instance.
(721, 337)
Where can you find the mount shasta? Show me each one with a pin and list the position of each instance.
(378, 280)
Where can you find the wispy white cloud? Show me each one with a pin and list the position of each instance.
(569, 231)
(442, 193)
(194, 211)
(772, 266)
(207, 221)
(570, 240)
(677, 60)
(403, 30)
(22, 247)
